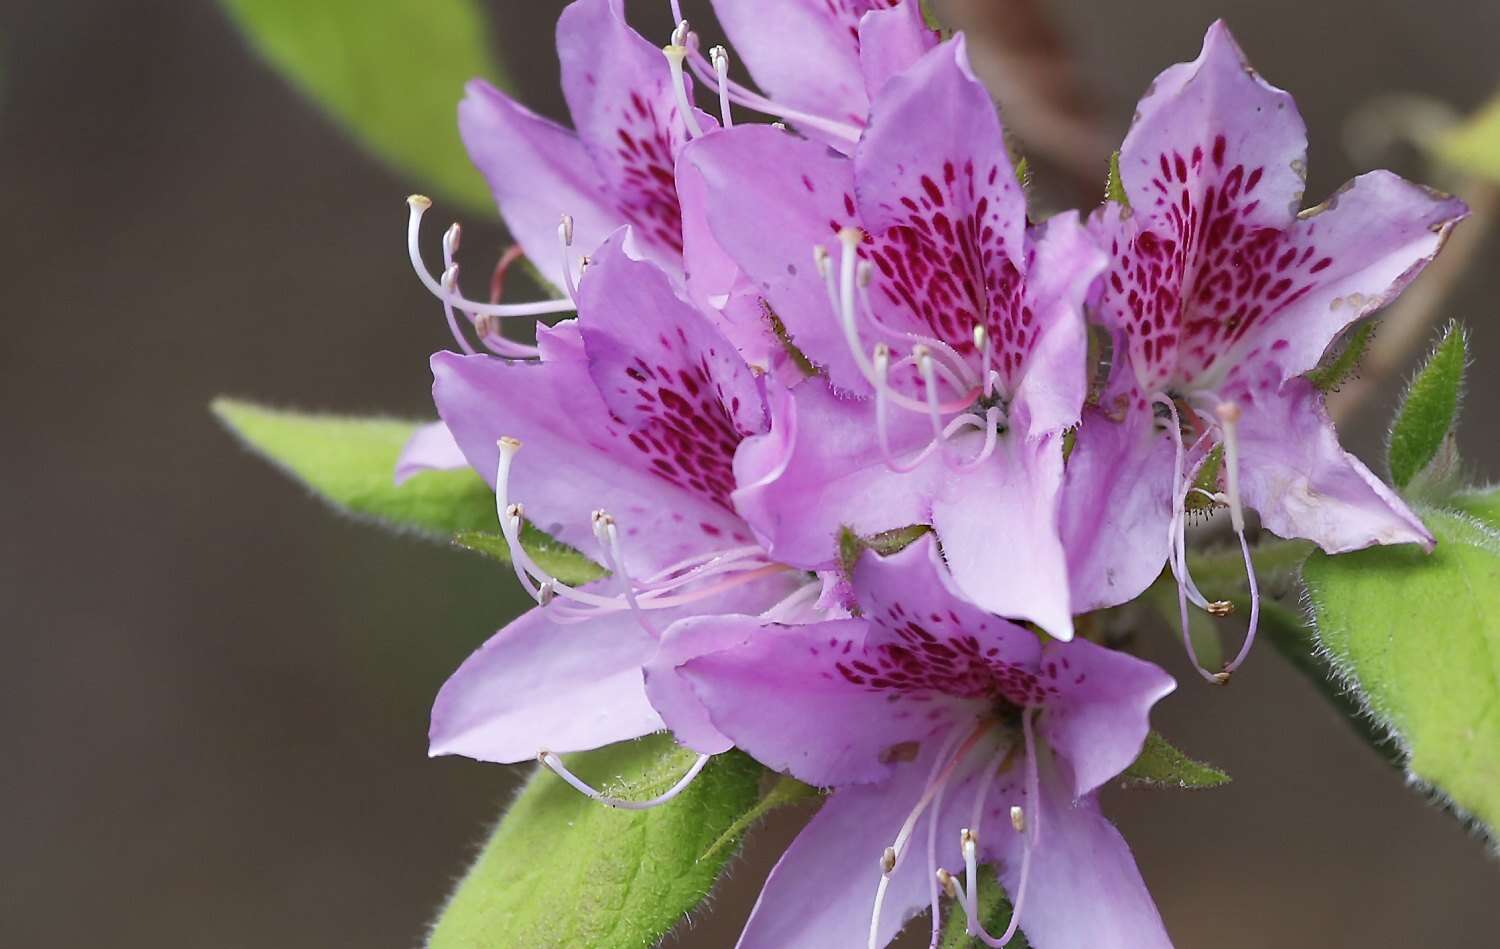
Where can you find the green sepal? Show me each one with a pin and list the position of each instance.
(562, 870)
(1420, 447)
(561, 562)
(885, 543)
(391, 73)
(350, 462)
(1416, 639)
(1207, 479)
(1114, 186)
(779, 330)
(994, 911)
(1336, 371)
(1483, 503)
(1161, 765)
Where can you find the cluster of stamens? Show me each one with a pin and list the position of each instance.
(934, 364)
(965, 895)
(1221, 418)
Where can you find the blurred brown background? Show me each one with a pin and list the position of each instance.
(214, 696)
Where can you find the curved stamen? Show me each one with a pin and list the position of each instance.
(554, 763)
(418, 205)
(1229, 416)
(450, 245)
(742, 96)
(953, 366)
(929, 387)
(720, 57)
(1022, 821)
(986, 356)
(1177, 538)
(675, 54)
(565, 241)
(488, 327)
(993, 419)
(608, 536)
(971, 834)
(942, 769)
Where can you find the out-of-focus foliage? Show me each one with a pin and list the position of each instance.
(391, 72)
(1475, 145)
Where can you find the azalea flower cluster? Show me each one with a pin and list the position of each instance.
(856, 436)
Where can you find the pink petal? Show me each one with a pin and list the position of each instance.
(999, 528)
(1303, 484)
(430, 448)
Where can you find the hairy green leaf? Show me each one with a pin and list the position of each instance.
(1475, 145)
(1336, 371)
(1483, 503)
(1419, 637)
(1429, 412)
(785, 792)
(350, 462)
(560, 561)
(994, 910)
(391, 72)
(1160, 765)
(561, 870)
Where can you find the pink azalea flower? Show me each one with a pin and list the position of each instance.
(561, 192)
(1221, 295)
(950, 331)
(619, 441)
(941, 730)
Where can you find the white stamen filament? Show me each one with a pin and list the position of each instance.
(450, 246)
(675, 54)
(579, 604)
(1228, 414)
(742, 96)
(554, 763)
(924, 360)
(418, 206)
(565, 240)
(608, 536)
(720, 57)
(1022, 822)
(976, 821)
(1177, 538)
(942, 769)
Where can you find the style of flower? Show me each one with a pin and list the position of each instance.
(629, 422)
(1221, 295)
(940, 728)
(950, 332)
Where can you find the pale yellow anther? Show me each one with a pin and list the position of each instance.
(419, 201)
(1018, 819)
(888, 860)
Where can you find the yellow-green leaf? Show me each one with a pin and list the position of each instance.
(562, 871)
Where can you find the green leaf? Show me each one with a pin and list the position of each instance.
(1475, 145)
(785, 792)
(1420, 440)
(1114, 187)
(563, 871)
(994, 910)
(930, 17)
(392, 73)
(1483, 503)
(560, 561)
(350, 462)
(1336, 371)
(1160, 765)
(1419, 637)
